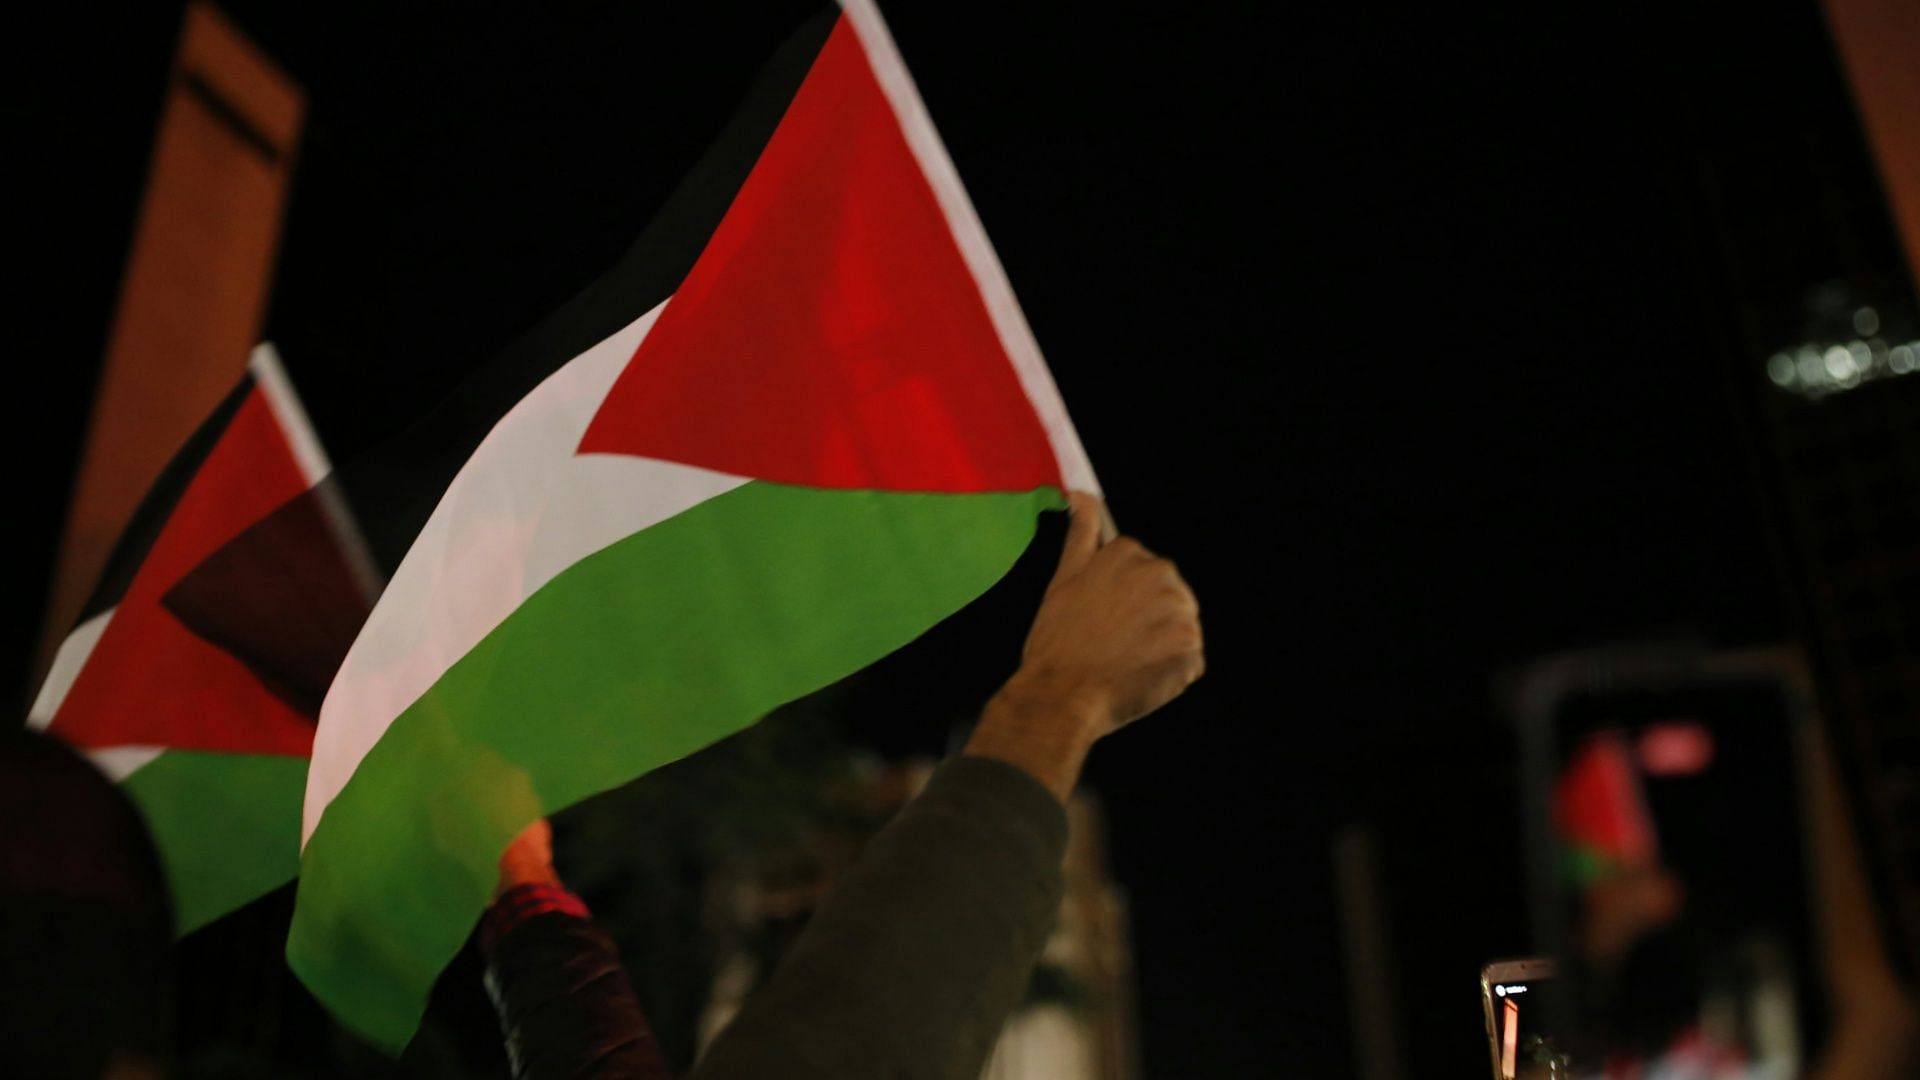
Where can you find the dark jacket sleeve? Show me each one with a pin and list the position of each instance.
(565, 1005)
(913, 962)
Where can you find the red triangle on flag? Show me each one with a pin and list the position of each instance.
(831, 335)
(150, 681)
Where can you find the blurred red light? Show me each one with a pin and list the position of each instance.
(1675, 748)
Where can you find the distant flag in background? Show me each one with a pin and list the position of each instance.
(1600, 812)
(214, 755)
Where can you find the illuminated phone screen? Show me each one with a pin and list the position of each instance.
(1520, 1015)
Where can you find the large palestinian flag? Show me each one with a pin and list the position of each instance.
(800, 424)
(211, 748)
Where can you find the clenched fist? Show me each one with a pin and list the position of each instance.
(1117, 636)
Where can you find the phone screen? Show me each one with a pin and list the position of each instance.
(1522, 1010)
(1680, 863)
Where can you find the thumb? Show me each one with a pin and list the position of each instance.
(1083, 534)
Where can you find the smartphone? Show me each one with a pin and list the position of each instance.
(1518, 998)
(1667, 796)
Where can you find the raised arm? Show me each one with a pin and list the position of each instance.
(912, 964)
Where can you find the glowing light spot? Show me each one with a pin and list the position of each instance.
(1808, 361)
(1817, 370)
(1839, 362)
(1675, 748)
(1866, 322)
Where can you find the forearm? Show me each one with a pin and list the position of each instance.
(1040, 728)
(566, 1008)
(912, 964)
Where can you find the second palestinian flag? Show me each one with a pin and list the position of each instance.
(213, 749)
(835, 432)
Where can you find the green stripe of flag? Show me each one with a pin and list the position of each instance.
(635, 656)
(224, 825)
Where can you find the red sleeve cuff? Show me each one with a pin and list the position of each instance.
(523, 902)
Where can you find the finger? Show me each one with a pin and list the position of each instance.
(1190, 653)
(1083, 534)
(1180, 604)
(1196, 668)
(1132, 550)
(1179, 634)
(1183, 593)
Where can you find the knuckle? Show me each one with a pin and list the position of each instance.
(1182, 636)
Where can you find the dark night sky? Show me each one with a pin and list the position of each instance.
(1415, 338)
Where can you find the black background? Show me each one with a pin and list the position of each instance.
(1425, 341)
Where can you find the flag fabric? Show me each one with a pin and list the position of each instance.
(214, 755)
(800, 423)
(1600, 812)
